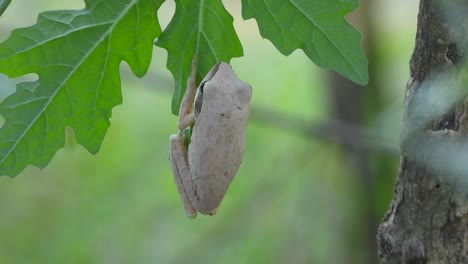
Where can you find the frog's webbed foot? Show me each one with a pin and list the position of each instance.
(186, 121)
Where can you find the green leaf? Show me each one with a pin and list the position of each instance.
(316, 26)
(198, 27)
(76, 55)
(3, 5)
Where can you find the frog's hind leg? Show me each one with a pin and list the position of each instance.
(181, 172)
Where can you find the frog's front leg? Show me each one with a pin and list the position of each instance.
(182, 174)
(186, 116)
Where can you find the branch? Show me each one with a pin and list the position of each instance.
(332, 130)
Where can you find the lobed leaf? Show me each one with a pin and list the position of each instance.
(198, 27)
(316, 26)
(76, 55)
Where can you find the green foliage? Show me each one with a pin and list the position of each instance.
(198, 27)
(3, 5)
(318, 27)
(76, 55)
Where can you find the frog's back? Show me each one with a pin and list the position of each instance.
(216, 161)
(218, 139)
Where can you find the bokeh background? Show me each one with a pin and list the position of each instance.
(316, 179)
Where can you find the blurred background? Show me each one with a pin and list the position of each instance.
(317, 176)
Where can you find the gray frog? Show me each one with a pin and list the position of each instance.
(203, 172)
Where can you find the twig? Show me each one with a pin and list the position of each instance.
(333, 130)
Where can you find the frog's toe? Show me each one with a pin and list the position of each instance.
(213, 212)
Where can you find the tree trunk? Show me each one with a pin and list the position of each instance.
(427, 221)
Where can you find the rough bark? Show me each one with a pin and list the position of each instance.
(427, 221)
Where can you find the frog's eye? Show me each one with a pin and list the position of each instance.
(202, 86)
(199, 101)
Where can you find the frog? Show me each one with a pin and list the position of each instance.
(217, 112)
